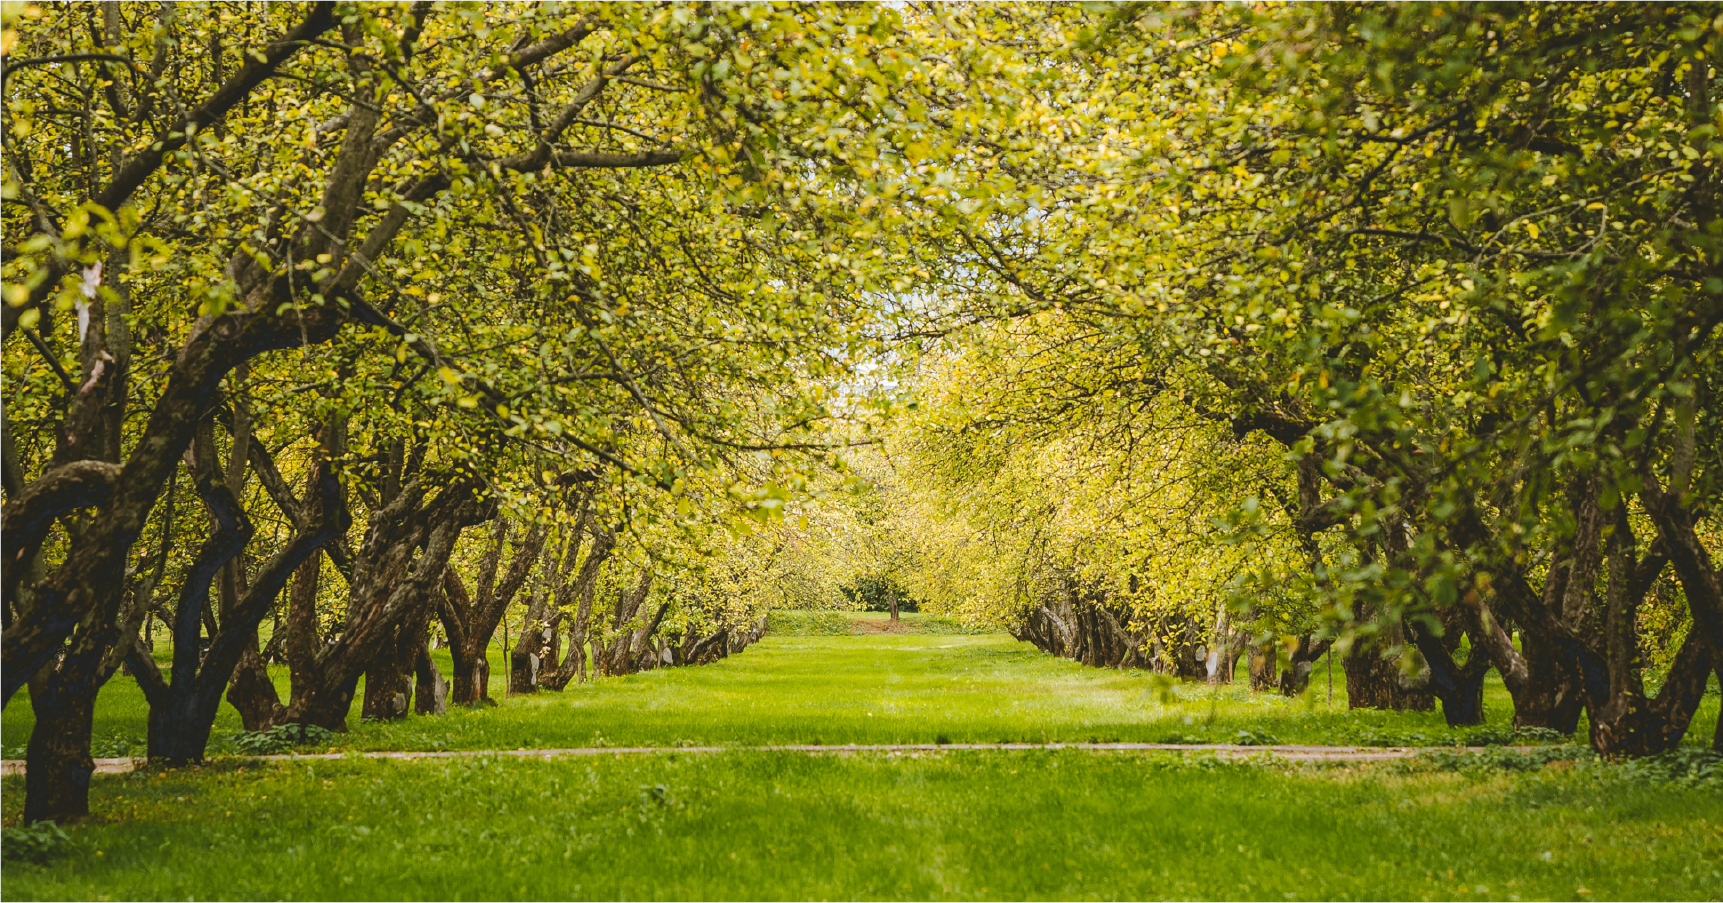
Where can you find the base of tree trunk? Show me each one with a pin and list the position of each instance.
(1373, 682)
(1550, 702)
(323, 706)
(178, 737)
(471, 682)
(1296, 679)
(523, 673)
(1633, 728)
(253, 695)
(430, 690)
(57, 761)
(1552, 698)
(388, 693)
(1263, 668)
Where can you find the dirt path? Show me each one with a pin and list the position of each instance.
(1224, 751)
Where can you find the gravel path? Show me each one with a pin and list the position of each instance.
(1224, 751)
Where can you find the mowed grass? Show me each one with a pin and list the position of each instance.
(891, 688)
(948, 825)
(913, 686)
(1046, 824)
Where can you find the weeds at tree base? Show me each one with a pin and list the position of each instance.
(1700, 769)
(281, 739)
(38, 844)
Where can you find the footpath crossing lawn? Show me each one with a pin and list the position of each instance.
(947, 825)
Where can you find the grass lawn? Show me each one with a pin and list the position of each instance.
(952, 825)
(915, 686)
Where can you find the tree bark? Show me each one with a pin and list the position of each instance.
(471, 623)
(1459, 687)
(1264, 666)
(1373, 682)
(584, 587)
(430, 690)
(1302, 659)
(1628, 723)
(390, 677)
(532, 648)
(183, 710)
(393, 587)
(58, 764)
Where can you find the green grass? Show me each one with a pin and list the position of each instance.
(953, 825)
(848, 623)
(950, 824)
(892, 688)
(122, 715)
(912, 687)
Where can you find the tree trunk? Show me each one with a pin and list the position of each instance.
(1296, 678)
(472, 622)
(1551, 697)
(532, 648)
(891, 598)
(431, 691)
(253, 694)
(1221, 660)
(388, 690)
(57, 760)
(523, 669)
(389, 680)
(1459, 687)
(1373, 682)
(472, 672)
(303, 639)
(1629, 724)
(1263, 666)
(183, 711)
(398, 587)
(471, 683)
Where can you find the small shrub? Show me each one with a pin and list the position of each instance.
(1489, 736)
(280, 739)
(37, 843)
(116, 747)
(1254, 738)
(1386, 739)
(1373, 738)
(1686, 767)
(1539, 735)
(1494, 759)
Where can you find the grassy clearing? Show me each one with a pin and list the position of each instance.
(918, 687)
(891, 688)
(952, 825)
(864, 623)
(948, 825)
